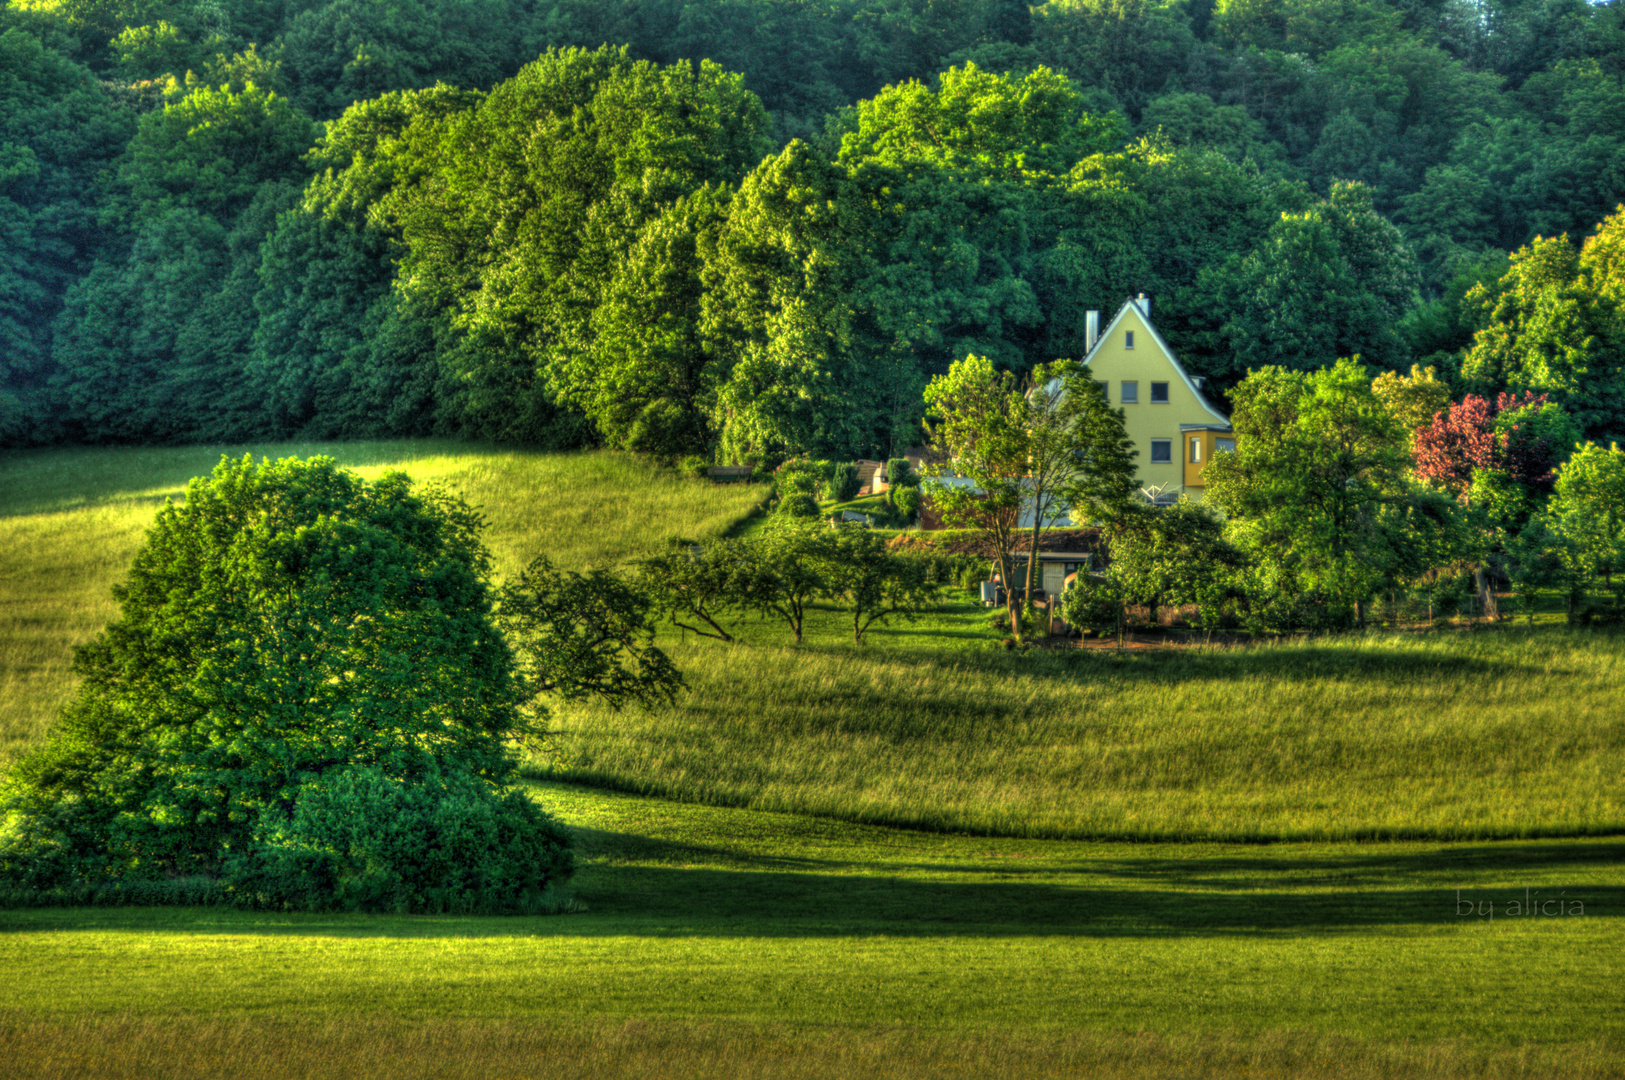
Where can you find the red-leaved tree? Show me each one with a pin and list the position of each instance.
(1465, 440)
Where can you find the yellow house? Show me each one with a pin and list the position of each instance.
(1174, 427)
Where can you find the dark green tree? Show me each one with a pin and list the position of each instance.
(1331, 281)
(303, 691)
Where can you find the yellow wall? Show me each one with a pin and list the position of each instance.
(1113, 362)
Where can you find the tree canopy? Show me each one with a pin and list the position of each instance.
(757, 228)
(304, 702)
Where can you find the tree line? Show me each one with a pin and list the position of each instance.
(758, 229)
(1345, 493)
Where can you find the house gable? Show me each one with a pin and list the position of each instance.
(1175, 429)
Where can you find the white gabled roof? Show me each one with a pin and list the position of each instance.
(1179, 368)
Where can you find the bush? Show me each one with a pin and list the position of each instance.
(843, 483)
(798, 504)
(694, 467)
(798, 476)
(303, 662)
(1092, 604)
(899, 473)
(362, 840)
(906, 500)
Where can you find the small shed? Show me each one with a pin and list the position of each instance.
(730, 474)
(871, 477)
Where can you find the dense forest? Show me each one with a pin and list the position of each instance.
(746, 228)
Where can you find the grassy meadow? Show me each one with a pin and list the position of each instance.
(1461, 735)
(70, 521)
(919, 857)
(738, 943)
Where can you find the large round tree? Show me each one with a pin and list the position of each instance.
(304, 703)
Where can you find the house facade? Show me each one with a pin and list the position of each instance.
(1174, 427)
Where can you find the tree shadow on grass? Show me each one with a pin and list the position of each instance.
(774, 897)
(1397, 662)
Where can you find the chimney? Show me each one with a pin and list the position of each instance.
(1091, 330)
(1145, 305)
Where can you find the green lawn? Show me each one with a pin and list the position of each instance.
(70, 520)
(716, 938)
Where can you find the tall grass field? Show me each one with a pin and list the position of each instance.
(1394, 855)
(1450, 736)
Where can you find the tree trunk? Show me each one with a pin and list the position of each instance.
(1010, 606)
(1486, 597)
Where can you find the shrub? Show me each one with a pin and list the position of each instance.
(899, 473)
(1092, 604)
(303, 662)
(906, 500)
(844, 483)
(798, 476)
(363, 840)
(798, 504)
(694, 466)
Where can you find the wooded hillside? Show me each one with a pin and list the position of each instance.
(746, 228)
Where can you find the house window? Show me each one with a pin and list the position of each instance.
(1196, 451)
(1159, 393)
(1224, 446)
(1128, 339)
(1131, 393)
(1162, 451)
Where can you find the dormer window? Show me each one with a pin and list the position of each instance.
(1159, 393)
(1128, 339)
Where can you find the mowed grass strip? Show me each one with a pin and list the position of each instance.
(742, 943)
(1506, 733)
(71, 520)
(384, 1048)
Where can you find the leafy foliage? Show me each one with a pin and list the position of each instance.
(294, 644)
(1314, 489)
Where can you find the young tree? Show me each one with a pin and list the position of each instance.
(302, 693)
(980, 430)
(874, 582)
(1055, 448)
(698, 583)
(1080, 460)
(787, 570)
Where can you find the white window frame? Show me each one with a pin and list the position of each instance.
(1164, 399)
(1166, 444)
(1124, 395)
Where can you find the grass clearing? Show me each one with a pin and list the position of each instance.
(724, 942)
(767, 918)
(71, 520)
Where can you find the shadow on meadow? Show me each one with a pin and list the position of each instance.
(771, 896)
(673, 902)
(1333, 657)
